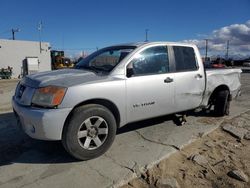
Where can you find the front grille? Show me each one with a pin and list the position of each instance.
(24, 94)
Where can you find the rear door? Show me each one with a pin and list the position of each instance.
(150, 88)
(189, 78)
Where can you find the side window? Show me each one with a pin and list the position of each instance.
(153, 60)
(185, 59)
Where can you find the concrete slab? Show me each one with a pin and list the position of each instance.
(169, 134)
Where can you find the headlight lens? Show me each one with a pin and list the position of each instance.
(49, 96)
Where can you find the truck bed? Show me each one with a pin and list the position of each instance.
(216, 77)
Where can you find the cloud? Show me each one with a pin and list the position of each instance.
(238, 36)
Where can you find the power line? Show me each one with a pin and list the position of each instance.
(7, 31)
(78, 48)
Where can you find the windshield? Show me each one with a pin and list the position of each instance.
(106, 59)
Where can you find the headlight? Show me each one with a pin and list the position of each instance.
(49, 96)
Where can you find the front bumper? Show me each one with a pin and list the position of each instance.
(43, 124)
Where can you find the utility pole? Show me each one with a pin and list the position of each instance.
(39, 28)
(13, 33)
(227, 49)
(206, 49)
(146, 35)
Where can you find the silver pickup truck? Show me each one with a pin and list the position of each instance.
(115, 86)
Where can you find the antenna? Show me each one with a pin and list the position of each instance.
(146, 35)
(39, 28)
(206, 49)
(13, 33)
(227, 49)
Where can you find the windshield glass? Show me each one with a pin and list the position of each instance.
(106, 59)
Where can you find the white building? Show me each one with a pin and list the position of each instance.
(25, 57)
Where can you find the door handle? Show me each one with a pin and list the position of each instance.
(198, 76)
(168, 80)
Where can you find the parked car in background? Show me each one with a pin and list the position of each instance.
(210, 64)
(218, 65)
(246, 64)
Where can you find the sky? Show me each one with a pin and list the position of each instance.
(85, 25)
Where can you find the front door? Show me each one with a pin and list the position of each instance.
(150, 88)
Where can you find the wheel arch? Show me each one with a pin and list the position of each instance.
(104, 102)
(216, 91)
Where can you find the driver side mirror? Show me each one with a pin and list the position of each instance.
(130, 72)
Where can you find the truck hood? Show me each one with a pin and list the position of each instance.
(64, 77)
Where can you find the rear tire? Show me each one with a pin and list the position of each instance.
(89, 132)
(222, 104)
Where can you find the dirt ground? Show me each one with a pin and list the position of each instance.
(7, 89)
(222, 153)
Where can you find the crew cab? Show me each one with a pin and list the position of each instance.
(117, 85)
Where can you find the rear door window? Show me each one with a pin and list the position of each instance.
(185, 59)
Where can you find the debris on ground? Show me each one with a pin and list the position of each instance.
(238, 174)
(235, 131)
(247, 136)
(209, 144)
(168, 182)
(199, 159)
(218, 159)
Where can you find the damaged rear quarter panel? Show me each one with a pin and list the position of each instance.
(218, 77)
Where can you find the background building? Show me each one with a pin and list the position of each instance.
(25, 57)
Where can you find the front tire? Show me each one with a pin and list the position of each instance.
(222, 104)
(89, 132)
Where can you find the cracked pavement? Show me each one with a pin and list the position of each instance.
(25, 162)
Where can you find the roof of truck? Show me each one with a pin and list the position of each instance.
(138, 44)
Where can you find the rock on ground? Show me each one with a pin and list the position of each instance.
(239, 175)
(199, 159)
(235, 131)
(168, 182)
(247, 136)
(209, 144)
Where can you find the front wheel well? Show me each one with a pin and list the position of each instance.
(104, 102)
